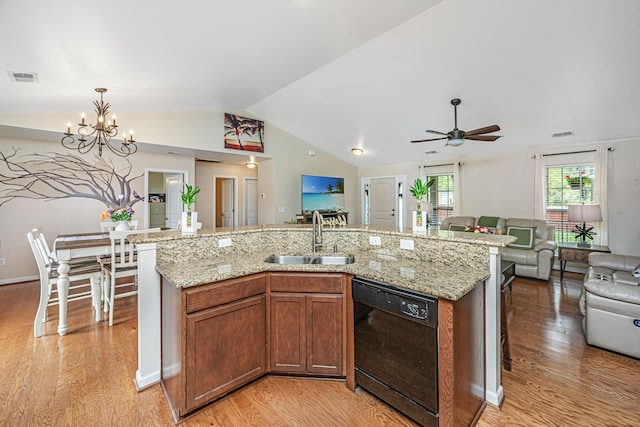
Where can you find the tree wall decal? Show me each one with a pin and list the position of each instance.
(53, 176)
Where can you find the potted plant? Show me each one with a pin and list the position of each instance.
(419, 190)
(189, 219)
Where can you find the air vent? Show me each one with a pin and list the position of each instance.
(561, 134)
(207, 160)
(23, 77)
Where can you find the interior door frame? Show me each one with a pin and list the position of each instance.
(147, 211)
(400, 205)
(235, 198)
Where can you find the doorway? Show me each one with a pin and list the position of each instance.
(163, 203)
(382, 201)
(225, 201)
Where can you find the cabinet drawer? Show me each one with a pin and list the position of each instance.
(207, 296)
(307, 282)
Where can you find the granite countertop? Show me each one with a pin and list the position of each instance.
(432, 278)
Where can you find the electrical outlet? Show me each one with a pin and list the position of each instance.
(281, 209)
(223, 243)
(374, 240)
(226, 268)
(406, 244)
(3, 261)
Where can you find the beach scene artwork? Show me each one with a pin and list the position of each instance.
(322, 193)
(243, 133)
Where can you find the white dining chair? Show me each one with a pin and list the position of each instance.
(122, 263)
(47, 269)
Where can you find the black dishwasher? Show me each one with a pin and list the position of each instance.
(396, 347)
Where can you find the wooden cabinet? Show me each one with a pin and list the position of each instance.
(307, 323)
(214, 336)
(213, 340)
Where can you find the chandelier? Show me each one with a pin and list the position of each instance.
(102, 133)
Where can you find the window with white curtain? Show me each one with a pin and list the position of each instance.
(577, 178)
(443, 194)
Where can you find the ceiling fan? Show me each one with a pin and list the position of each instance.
(456, 137)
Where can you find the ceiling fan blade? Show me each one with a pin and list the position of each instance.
(432, 139)
(486, 129)
(436, 132)
(486, 138)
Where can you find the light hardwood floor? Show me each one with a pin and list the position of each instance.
(86, 377)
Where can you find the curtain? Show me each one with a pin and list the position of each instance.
(600, 196)
(457, 189)
(540, 185)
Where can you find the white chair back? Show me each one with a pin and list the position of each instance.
(49, 277)
(122, 263)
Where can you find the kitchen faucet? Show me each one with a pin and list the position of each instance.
(316, 241)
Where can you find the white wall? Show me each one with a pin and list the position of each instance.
(278, 178)
(291, 159)
(64, 216)
(504, 186)
(205, 173)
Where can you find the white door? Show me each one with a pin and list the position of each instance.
(174, 199)
(382, 201)
(227, 202)
(251, 201)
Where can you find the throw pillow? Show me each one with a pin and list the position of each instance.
(454, 227)
(488, 221)
(526, 237)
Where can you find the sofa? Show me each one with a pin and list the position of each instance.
(533, 253)
(610, 303)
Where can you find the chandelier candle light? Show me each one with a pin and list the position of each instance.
(102, 134)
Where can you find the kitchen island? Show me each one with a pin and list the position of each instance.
(448, 265)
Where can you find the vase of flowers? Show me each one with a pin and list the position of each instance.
(189, 219)
(121, 216)
(419, 190)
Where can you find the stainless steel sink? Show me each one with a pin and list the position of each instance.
(334, 259)
(307, 259)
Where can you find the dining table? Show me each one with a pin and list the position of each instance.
(70, 246)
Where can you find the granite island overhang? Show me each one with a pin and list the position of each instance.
(444, 264)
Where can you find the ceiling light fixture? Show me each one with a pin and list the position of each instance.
(357, 151)
(250, 165)
(102, 134)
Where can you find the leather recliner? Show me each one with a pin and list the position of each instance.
(610, 303)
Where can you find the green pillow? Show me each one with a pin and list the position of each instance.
(488, 221)
(454, 227)
(526, 237)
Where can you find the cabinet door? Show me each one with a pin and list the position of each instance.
(288, 335)
(225, 348)
(324, 334)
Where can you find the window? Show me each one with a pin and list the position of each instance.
(568, 185)
(441, 196)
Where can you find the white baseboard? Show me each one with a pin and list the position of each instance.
(18, 280)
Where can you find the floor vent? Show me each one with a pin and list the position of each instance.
(23, 77)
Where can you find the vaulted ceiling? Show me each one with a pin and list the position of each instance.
(342, 73)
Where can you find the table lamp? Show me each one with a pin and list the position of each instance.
(584, 214)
